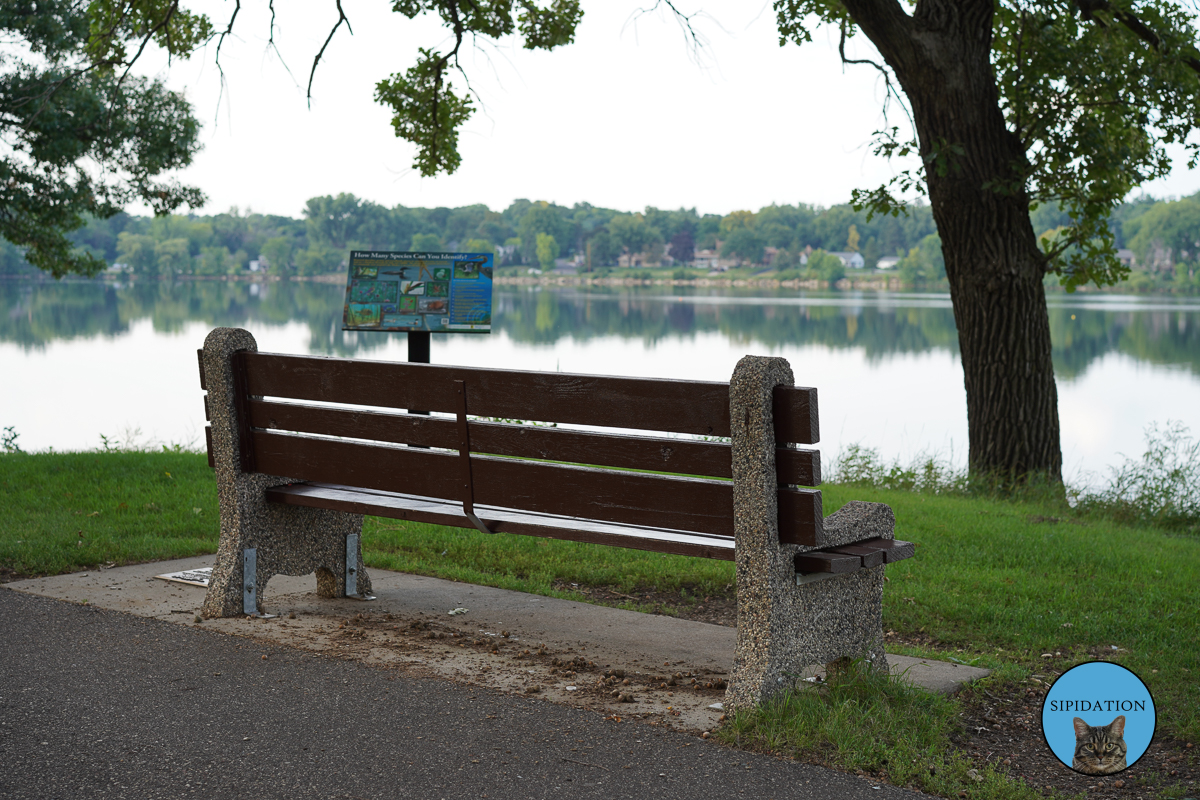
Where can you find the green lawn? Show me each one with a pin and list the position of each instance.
(61, 512)
(994, 582)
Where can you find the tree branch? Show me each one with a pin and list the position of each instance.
(890, 29)
(171, 9)
(696, 41)
(341, 18)
(1088, 9)
(887, 77)
(271, 43)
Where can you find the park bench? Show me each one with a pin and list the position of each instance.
(304, 446)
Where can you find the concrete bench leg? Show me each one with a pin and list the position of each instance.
(784, 628)
(287, 540)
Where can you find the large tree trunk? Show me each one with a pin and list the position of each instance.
(941, 57)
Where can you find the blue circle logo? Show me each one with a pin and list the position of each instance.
(1098, 718)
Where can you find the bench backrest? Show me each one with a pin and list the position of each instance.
(589, 474)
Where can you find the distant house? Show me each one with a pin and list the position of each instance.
(887, 262)
(705, 259)
(1126, 257)
(851, 260)
(505, 253)
(708, 259)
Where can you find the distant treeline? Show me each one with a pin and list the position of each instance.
(1162, 234)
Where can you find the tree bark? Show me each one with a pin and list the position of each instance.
(941, 56)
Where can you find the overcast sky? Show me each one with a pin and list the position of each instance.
(625, 117)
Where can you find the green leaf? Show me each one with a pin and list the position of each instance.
(426, 112)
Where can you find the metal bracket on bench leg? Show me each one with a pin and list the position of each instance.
(250, 584)
(352, 569)
(464, 457)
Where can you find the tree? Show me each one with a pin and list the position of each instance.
(683, 247)
(1170, 228)
(477, 246)
(333, 221)
(81, 135)
(173, 257)
(924, 263)
(136, 252)
(547, 250)
(214, 260)
(278, 253)
(1016, 103)
(604, 248)
(541, 218)
(426, 243)
(631, 232)
(823, 266)
(744, 244)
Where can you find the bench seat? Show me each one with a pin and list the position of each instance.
(501, 520)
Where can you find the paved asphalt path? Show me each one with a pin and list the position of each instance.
(100, 704)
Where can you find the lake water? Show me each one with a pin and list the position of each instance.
(81, 359)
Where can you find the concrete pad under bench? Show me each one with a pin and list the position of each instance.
(607, 635)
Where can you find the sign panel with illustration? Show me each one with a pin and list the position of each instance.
(434, 292)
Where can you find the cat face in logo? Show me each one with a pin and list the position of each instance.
(1099, 750)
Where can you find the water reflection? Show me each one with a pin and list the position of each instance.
(1154, 330)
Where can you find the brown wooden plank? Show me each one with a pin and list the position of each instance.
(893, 549)
(690, 457)
(682, 503)
(692, 504)
(398, 506)
(212, 462)
(800, 517)
(798, 467)
(823, 561)
(794, 409)
(695, 407)
(207, 413)
(871, 556)
(200, 358)
(241, 405)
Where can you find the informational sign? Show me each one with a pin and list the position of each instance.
(434, 292)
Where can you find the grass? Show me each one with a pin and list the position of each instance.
(997, 581)
(873, 723)
(530, 564)
(61, 512)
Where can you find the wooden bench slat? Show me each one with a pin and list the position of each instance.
(695, 407)
(608, 495)
(693, 504)
(822, 561)
(423, 509)
(850, 557)
(712, 459)
(794, 410)
(893, 549)
(870, 556)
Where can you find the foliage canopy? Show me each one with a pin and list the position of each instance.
(81, 136)
(1094, 90)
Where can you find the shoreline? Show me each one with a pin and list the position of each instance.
(877, 283)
